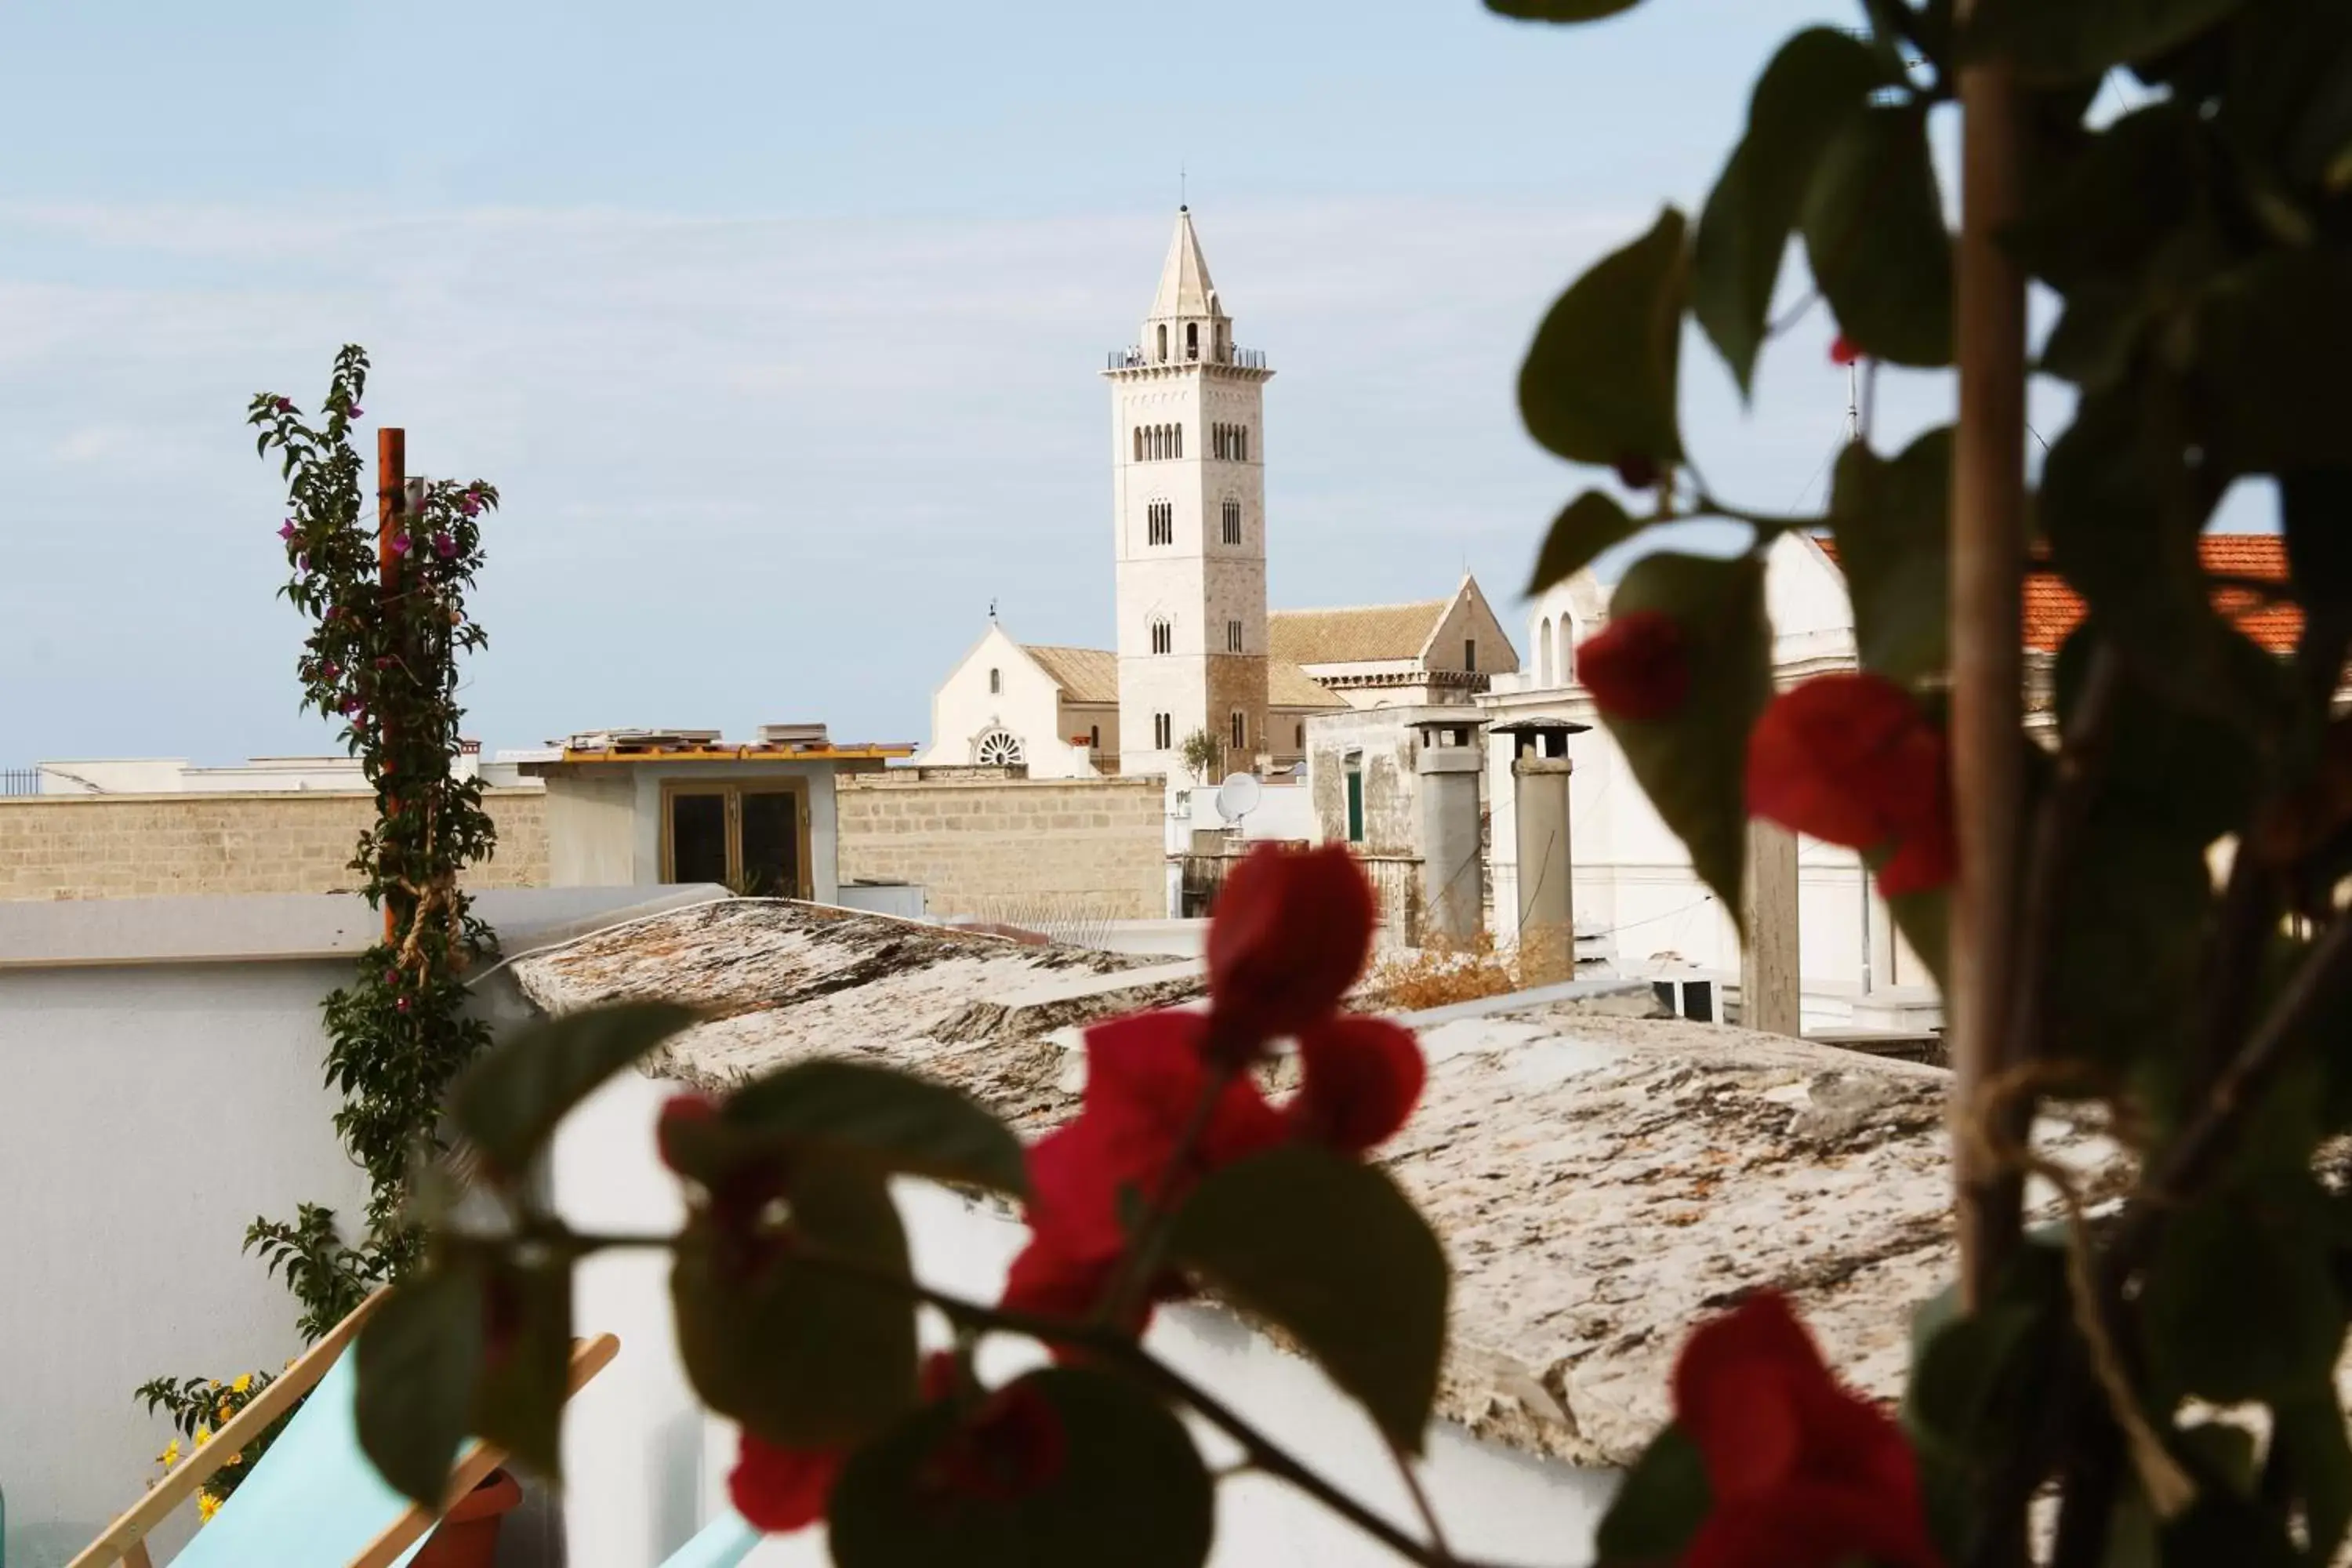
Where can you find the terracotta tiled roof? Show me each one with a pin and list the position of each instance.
(2053, 610)
(1288, 685)
(1084, 674)
(1360, 635)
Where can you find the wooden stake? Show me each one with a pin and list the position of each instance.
(1988, 666)
(390, 486)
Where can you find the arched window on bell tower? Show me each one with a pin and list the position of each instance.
(1164, 343)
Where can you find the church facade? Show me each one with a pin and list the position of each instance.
(1198, 655)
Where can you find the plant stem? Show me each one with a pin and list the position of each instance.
(2212, 1133)
(1104, 1343)
(1987, 554)
(1420, 1495)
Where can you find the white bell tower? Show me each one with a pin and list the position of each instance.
(1188, 504)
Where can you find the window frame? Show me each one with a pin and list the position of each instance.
(732, 790)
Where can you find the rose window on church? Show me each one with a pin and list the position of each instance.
(997, 748)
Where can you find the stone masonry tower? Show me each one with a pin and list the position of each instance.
(1189, 506)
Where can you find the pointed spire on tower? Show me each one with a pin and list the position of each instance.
(1184, 285)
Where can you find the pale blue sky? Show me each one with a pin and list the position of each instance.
(778, 325)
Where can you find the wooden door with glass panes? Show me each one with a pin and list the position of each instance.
(751, 838)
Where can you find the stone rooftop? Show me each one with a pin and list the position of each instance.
(1599, 1180)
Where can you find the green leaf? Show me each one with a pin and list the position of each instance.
(2311, 1450)
(1889, 520)
(2122, 515)
(1130, 1489)
(2240, 1304)
(896, 1121)
(1817, 82)
(1873, 225)
(809, 1356)
(1592, 522)
(1974, 1377)
(1331, 1251)
(419, 1353)
(1658, 1507)
(2067, 40)
(527, 1363)
(1599, 382)
(1693, 765)
(1925, 922)
(2274, 338)
(508, 1101)
(1559, 10)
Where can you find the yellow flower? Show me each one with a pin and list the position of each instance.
(217, 1383)
(171, 1454)
(207, 1505)
(236, 1460)
(203, 1435)
(244, 1385)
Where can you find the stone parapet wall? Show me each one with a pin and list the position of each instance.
(159, 846)
(1036, 848)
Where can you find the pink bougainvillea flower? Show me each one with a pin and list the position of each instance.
(1637, 667)
(287, 530)
(1291, 932)
(444, 546)
(401, 545)
(356, 411)
(330, 671)
(470, 503)
(283, 404)
(302, 562)
(1853, 760)
(1802, 1472)
(351, 705)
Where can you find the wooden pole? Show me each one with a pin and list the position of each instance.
(1771, 984)
(1988, 547)
(390, 486)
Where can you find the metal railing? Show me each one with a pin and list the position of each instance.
(1132, 357)
(20, 781)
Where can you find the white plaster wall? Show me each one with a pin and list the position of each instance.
(647, 1469)
(1633, 879)
(592, 831)
(150, 1114)
(1028, 704)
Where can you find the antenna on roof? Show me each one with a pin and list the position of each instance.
(1183, 198)
(992, 609)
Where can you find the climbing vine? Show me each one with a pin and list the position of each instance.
(388, 621)
(386, 597)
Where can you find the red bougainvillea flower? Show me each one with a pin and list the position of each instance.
(1637, 667)
(1853, 760)
(1803, 1473)
(1145, 1075)
(1009, 1444)
(780, 1489)
(1292, 931)
(1842, 349)
(283, 404)
(1013, 1446)
(1360, 1078)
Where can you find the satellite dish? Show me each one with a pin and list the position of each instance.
(1237, 796)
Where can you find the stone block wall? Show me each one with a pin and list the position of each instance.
(154, 846)
(1064, 849)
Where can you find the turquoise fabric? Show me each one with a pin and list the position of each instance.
(727, 1542)
(314, 1501)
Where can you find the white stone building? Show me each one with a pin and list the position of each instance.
(1400, 656)
(1636, 895)
(1195, 649)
